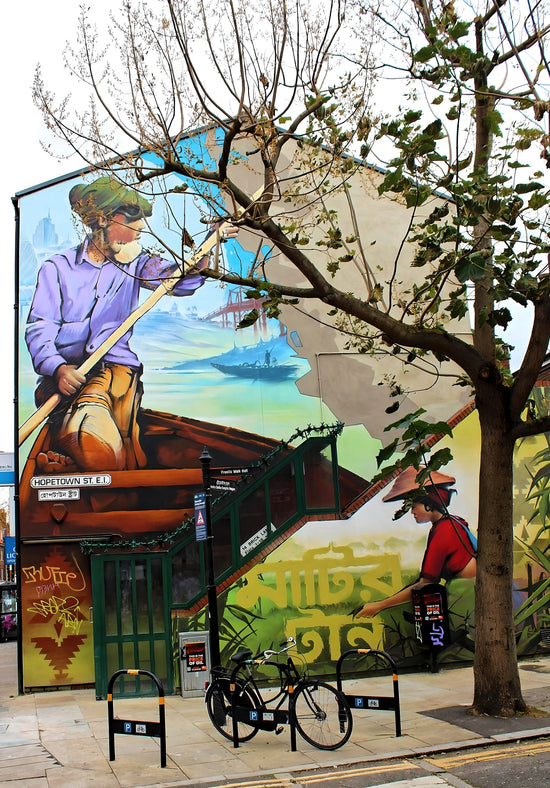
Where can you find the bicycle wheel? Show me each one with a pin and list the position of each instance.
(323, 716)
(218, 703)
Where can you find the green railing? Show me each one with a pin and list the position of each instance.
(136, 583)
(267, 504)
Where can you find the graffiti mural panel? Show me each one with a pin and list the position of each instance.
(55, 606)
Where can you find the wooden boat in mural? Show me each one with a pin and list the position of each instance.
(257, 371)
(150, 500)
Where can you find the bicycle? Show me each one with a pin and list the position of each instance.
(320, 712)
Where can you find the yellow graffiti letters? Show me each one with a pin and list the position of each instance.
(267, 581)
(47, 575)
(65, 610)
(383, 575)
(317, 630)
(322, 576)
(369, 634)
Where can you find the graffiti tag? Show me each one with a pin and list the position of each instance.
(44, 574)
(67, 611)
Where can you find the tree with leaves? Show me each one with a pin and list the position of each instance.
(292, 89)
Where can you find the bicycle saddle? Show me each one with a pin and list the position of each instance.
(241, 655)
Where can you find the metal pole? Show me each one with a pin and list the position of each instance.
(16, 524)
(215, 658)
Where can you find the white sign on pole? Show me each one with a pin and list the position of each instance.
(7, 474)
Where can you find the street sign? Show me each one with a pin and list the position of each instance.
(201, 533)
(225, 485)
(7, 473)
(9, 543)
(229, 471)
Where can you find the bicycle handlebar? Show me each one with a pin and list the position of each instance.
(287, 644)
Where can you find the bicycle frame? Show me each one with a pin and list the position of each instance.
(315, 708)
(289, 681)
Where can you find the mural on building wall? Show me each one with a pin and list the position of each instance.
(119, 457)
(120, 452)
(127, 437)
(196, 367)
(335, 586)
(56, 599)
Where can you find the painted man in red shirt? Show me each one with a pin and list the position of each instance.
(451, 548)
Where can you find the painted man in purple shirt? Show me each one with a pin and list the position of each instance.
(81, 297)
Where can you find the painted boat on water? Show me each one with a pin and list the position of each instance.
(257, 371)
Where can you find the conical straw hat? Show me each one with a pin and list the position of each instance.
(406, 482)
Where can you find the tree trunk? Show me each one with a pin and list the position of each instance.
(497, 689)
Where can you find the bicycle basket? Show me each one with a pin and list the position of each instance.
(219, 672)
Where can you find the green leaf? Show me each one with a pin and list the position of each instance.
(459, 30)
(433, 129)
(457, 308)
(440, 458)
(249, 319)
(404, 421)
(499, 317)
(493, 121)
(471, 267)
(525, 188)
(538, 200)
(501, 232)
(543, 506)
(417, 196)
(453, 113)
(390, 182)
(538, 605)
(463, 163)
(543, 473)
(424, 54)
(385, 453)
(420, 430)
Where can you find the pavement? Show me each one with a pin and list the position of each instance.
(59, 739)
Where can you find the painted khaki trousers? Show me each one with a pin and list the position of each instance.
(99, 431)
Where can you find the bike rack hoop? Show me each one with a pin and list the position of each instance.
(137, 727)
(372, 702)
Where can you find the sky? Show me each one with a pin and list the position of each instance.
(32, 32)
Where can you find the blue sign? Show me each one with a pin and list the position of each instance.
(200, 517)
(9, 546)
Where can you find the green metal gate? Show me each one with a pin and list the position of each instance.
(131, 621)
